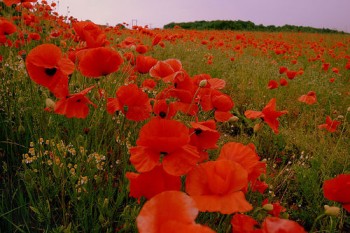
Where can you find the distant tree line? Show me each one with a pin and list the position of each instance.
(240, 25)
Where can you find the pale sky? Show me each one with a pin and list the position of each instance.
(333, 14)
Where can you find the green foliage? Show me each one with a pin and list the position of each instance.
(239, 25)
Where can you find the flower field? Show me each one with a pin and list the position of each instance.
(117, 129)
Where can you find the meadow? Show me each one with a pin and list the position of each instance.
(110, 129)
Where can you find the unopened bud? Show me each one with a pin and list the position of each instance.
(348, 109)
(257, 127)
(268, 207)
(331, 210)
(285, 215)
(50, 103)
(233, 119)
(203, 83)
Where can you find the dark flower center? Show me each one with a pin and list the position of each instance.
(198, 131)
(162, 114)
(50, 71)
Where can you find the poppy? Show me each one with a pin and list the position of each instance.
(277, 225)
(12, 2)
(268, 114)
(148, 84)
(151, 183)
(163, 109)
(164, 141)
(91, 33)
(338, 189)
(6, 27)
(291, 74)
(144, 63)
(204, 135)
(141, 49)
(325, 66)
(309, 98)
(47, 67)
(242, 223)
(156, 40)
(132, 102)
(283, 69)
(99, 62)
(330, 125)
(259, 186)
(216, 186)
(283, 82)
(214, 83)
(246, 156)
(171, 212)
(167, 69)
(272, 84)
(75, 105)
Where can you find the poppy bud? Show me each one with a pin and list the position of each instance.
(340, 117)
(257, 127)
(21, 129)
(50, 103)
(285, 215)
(348, 109)
(331, 210)
(268, 207)
(233, 119)
(203, 83)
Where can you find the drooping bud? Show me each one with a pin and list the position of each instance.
(203, 83)
(331, 210)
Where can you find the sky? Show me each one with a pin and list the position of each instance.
(333, 14)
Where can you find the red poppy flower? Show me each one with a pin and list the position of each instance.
(149, 184)
(278, 225)
(99, 62)
(164, 141)
(214, 83)
(335, 70)
(291, 74)
(331, 125)
(216, 186)
(171, 212)
(6, 27)
(167, 69)
(331, 80)
(259, 186)
(75, 105)
(11, 2)
(309, 98)
(242, 223)
(141, 49)
(91, 33)
(163, 109)
(204, 135)
(144, 63)
(283, 82)
(283, 69)
(245, 156)
(156, 40)
(132, 102)
(325, 66)
(46, 66)
(148, 84)
(269, 114)
(338, 189)
(272, 84)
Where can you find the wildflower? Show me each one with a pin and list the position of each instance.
(283, 82)
(309, 98)
(164, 141)
(217, 186)
(91, 33)
(99, 62)
(338, 189)
(272, 84)
(171, 212)
(132, 102)
(283, 69)
(269, 114)
(47, 67)
(151, 183)
(330, 125)
(144, 63)
(75, 105)
(242, 223)
(275, 225)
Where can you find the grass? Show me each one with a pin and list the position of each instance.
(67, 175)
